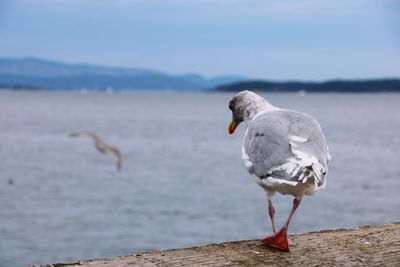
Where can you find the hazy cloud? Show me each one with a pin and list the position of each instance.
(300, 39)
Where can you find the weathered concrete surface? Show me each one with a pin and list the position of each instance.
(362, 246)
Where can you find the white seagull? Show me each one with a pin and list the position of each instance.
(102, 146)
(284, 150)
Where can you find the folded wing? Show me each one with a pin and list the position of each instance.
(286, 147)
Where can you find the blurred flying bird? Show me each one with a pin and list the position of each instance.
(284, 150)
(102, 146)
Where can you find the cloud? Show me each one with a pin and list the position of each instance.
(4, 6)
(211, 36)
(245, 7)
(198, 12)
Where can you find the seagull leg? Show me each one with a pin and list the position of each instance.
(280, 239)
(271, 212)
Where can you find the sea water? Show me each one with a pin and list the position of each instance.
(183, 182)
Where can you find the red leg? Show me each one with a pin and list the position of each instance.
(280, 239)
(271, 212)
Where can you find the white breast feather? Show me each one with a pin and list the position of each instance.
(245, 157)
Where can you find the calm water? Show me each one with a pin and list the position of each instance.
(183, 182)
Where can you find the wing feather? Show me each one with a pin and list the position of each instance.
(287, 146)
(117, 154)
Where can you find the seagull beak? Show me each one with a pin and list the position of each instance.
(232, 126)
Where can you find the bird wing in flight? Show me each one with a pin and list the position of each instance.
(117, 154)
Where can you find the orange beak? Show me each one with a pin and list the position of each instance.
(232, 127)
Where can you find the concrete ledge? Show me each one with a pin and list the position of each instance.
(361, 246)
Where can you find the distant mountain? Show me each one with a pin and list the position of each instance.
(211, 82)
(377, 85)
(38, 73)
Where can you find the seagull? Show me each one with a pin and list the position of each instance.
(284, 150)
(102, 146)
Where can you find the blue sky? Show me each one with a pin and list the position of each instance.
(278, 40)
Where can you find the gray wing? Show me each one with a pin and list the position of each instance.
(117, 154)
(286, 145)
(99, 144)
(87, 133)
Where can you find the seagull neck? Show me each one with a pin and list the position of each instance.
(256, 109)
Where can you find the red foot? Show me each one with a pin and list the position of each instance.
(278, 240)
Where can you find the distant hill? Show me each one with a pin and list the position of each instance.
(211, 82)
(379, 85)
(37, 73)
(33, 73)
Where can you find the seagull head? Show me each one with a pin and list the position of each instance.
(244, 106)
